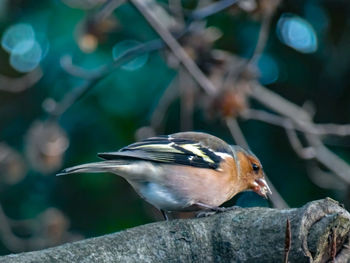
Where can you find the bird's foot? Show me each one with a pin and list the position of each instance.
(205, 213)
(225, 209)
(215, 210)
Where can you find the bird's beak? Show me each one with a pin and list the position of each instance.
(261, 187)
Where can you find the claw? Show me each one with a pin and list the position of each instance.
(215, 210)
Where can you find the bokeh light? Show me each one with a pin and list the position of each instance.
(88, 43)
(297, 33)
(54, 225)
(25, 59)
(124, 46)
(46, 143)
(12, 165)
(17, 34)
(25, 48)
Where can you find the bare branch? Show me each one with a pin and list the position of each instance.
(11, 241)
(303, 152)
(178, 51)
(107, 9)
(236, 132)
(277, 103)
(76, 71)
(329, 159)
(276, 199)
(211, 9)
(145, 8)
(19, 84)
(235, 71)
(262, 38)
(175, 7)
(102, 71)
(187, 100)
(333, 129)
(167, 98)
(94, 76)
(311, 128)
(302, 120)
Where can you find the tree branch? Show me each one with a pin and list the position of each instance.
(145, 7)
(241, 235)
(295, 116)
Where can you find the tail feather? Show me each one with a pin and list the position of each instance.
(98, 167)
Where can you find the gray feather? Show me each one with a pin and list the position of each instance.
(98, 167)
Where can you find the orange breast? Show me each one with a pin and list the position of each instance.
(208, 186)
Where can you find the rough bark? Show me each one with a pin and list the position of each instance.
(319, 231)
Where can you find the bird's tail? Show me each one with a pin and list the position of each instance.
(98, 167)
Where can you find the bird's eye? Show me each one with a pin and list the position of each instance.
(255, 167)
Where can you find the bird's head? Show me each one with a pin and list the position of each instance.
(251, 172)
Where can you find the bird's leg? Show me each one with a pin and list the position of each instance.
(165, 215)
(211, 210)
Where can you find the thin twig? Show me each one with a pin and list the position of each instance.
(277, 103)
(126, 56)
(19, 84)
(94, 76)
(234, 73)
(311, 128)
(316, 149)
(303, 152)
(264, 116)
(211, 9)
(72, 97)
(324, 179)
(290, 128)
(76, 71)
(167, 98)
(145, 8)
(333, 129)
(107, 9)
(197, 74)
(15, 243)
(236, 132)
(301, 118)
(175, 7)
(262, 38)
(11, 241)
(187, 94)
(329, 159)
(275, 198)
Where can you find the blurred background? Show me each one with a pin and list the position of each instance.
(79, 77)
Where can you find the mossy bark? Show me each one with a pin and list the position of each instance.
(319, 233)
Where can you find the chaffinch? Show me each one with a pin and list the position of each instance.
(185, 171)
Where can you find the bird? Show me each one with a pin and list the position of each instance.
(185, 171)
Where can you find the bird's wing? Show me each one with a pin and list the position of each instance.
(172, 149)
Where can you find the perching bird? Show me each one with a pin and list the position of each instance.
(185, 171)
